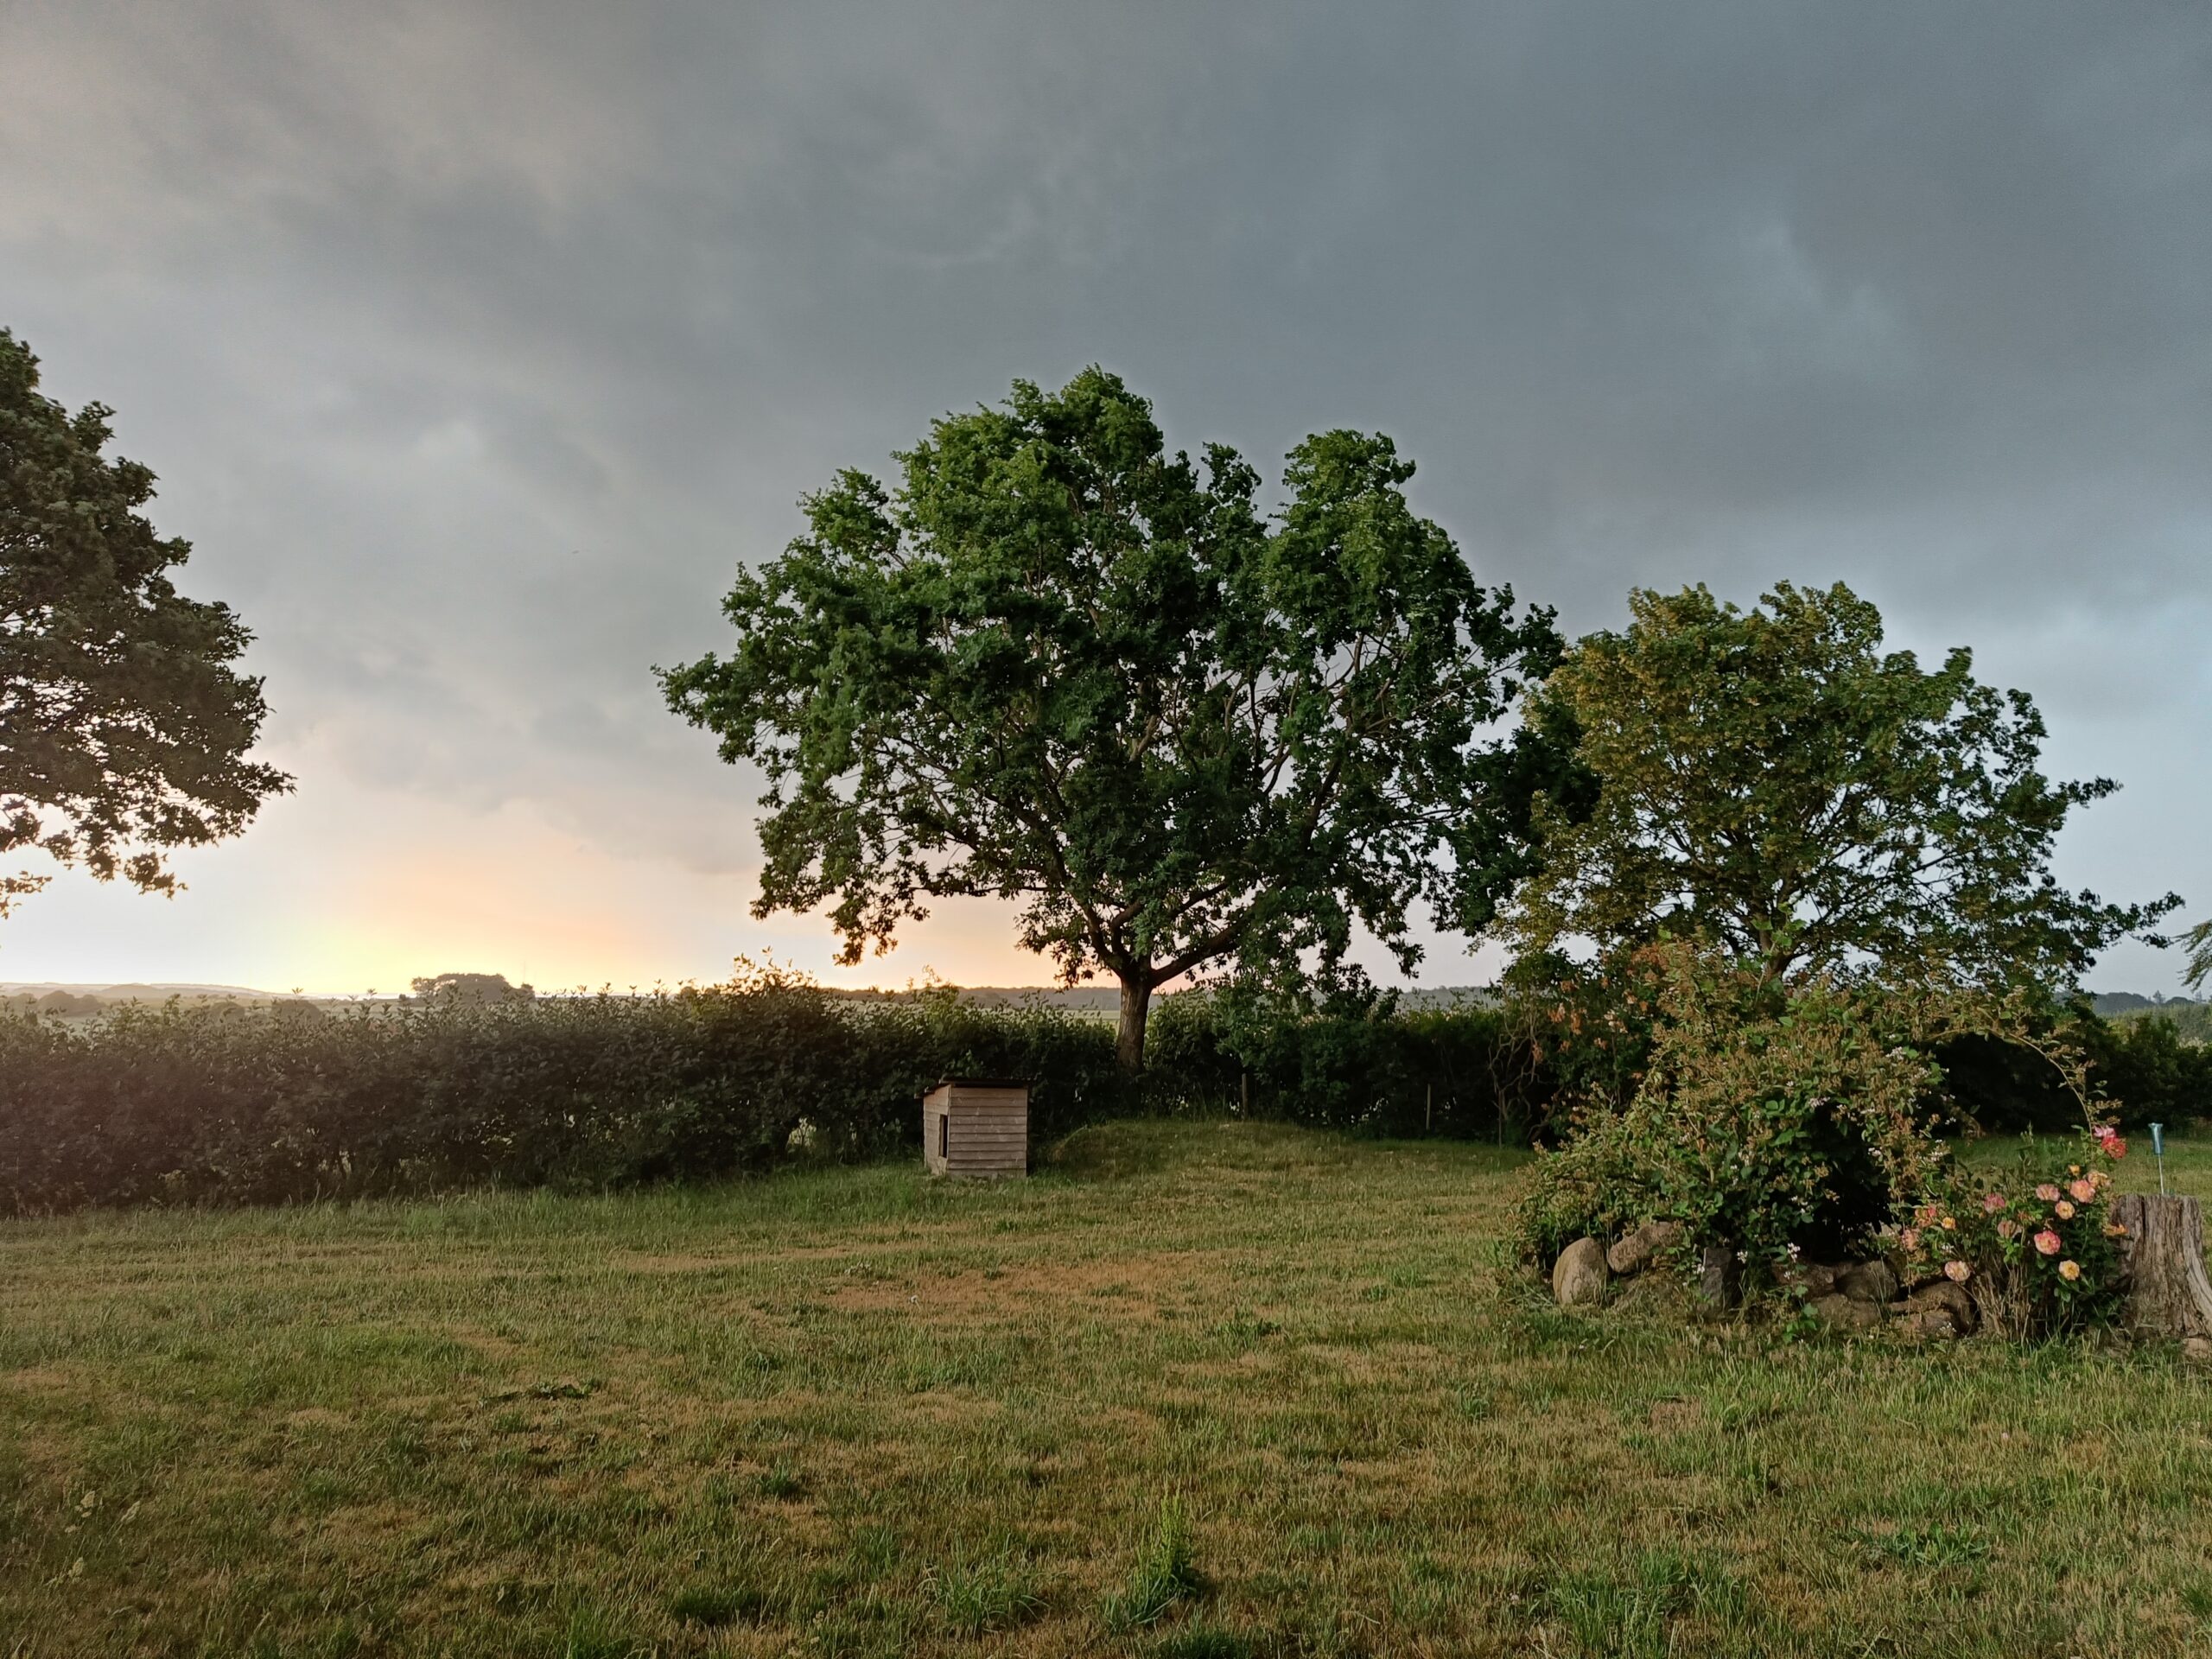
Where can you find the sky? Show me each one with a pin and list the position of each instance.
(477, 345)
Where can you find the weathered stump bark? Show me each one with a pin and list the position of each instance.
(2167, 1292)
(1719, 1277)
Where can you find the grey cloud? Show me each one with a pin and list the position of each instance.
(485, 338)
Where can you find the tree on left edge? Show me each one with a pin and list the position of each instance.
(124, 728)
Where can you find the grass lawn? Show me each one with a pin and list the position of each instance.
(1201, 1391)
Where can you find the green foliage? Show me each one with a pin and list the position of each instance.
(1350, 1059)
(123, 728)
(1770, 1116)
(1202, 1642)
(2192, 1021)
(1772, 783)
(715, 1606)
(2199, 941)
(1930, 1544)
(469, 987)
(218, 1104)
(2140, 1069)
(1060, 665)
(1630, 1614)
(986, 1596)
(222, 1104)
(1166, 1573)
(2035, 1243)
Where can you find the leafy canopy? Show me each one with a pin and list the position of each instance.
(1060, 665)
(124, 729)
(1772, 782)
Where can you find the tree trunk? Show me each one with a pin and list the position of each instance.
(1129, 1043)
(2168, 1292)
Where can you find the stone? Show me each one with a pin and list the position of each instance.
(1578, 1275)
(1926, 1325)
(1874, 1281)
(1720, 1276)
(1841, 1312)
(1951, 1301)
(1635, 1253)
(1817, 1278)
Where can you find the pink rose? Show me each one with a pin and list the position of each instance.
(2082, 1192)
(1955, 1272)
(2007, 1227)
(2047, 1241)
(2047, 1192)
(2065, 1211)
(2069, 1271)
(1992, 1203)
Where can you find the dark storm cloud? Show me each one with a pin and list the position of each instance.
(476, 343)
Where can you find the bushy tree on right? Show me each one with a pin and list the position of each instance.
(1775, 782)
(1793, 871)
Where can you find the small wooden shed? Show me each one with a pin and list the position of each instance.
(976, 1126)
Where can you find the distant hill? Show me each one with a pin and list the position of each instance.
(137, 993)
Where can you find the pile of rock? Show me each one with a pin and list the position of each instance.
(1586, 1268)
(1862, 1295)
(1849, 1296)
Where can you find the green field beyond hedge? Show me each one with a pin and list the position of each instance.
(848, 1411)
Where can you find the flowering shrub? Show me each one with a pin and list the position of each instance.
(1767, 1115)
(2036, 1243)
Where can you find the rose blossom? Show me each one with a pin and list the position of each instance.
(1956, 1272)
(2065, 1211)
(2007, 1227)
(2047, 1192)
(1911, 1238)
(2047, 1241)
(1992, 1203)
(2082, 1192)
(2069, 1271)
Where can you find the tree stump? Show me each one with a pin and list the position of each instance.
(2167, 1292)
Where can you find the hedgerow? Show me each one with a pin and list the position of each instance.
(224, 1104)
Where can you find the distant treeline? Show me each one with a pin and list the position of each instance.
(216, 1102)
(2192, 1021)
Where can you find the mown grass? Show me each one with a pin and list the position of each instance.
(1199, 1391)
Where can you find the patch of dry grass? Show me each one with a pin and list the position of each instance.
(852, 1412)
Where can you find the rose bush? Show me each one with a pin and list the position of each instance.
(2035, 1243)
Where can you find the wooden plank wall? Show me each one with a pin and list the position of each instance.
(990, 1132)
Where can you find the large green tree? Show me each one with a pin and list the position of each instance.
(1059, 664)
(1772, 781)
(124, 728)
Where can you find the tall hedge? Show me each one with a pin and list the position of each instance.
(224, 1105)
